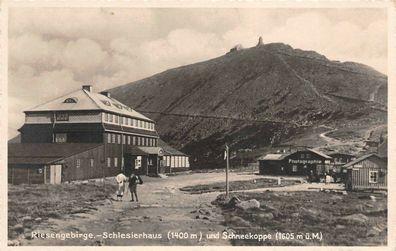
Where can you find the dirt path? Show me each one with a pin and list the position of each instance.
(162, 208)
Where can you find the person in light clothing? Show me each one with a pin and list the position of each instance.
(121, 179)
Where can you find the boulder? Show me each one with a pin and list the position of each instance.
(38, 219)
(18, 228)
(26, 218)
(233, 201)
(265, 216)
(248, 204)
(238, 221)
(355, 219)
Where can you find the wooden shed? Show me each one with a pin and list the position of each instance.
(368, 172)
(46, 163)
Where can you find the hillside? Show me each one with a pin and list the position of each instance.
(255, 97)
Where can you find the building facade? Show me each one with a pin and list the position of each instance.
(302, 163)
(368, 172)
(127, 140)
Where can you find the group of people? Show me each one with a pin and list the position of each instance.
(133, 181)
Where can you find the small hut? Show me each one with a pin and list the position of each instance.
(368, 172)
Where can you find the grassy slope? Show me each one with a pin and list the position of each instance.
(51, 201)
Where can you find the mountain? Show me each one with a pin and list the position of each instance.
(254, 97)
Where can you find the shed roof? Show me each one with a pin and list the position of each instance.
(86, 100)
(274, 156)
(42, 153)
(168, 150)
(361, 158)
(319, 153)
(150, 149)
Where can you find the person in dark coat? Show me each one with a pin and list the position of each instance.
(134, 180)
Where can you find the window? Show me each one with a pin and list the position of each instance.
(62, 116)
(123, 139)
(122, 162)
(140, 123)
(92, 162)
(133, 140)
(122, 120)
(60, 138)
(118, 138)
(105, 117)
(294, 168)
(115, 161)
(133, 122)
(138, 140)
(110, 117)
(113, 138)
(129, 140)
(129, 121)
(78, 163)
(71, 100)
(373, 177)
(144, 124)
(116, 119)
(109, 138)
(302, 156)
(108, 162)
(307, 155)
(146, 142)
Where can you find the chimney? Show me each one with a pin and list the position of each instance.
(107, 94)
(88, 88)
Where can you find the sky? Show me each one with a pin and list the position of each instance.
(53, 51)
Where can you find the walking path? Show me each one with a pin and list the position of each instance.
(163, 209)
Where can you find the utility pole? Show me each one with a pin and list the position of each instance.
(227, 170)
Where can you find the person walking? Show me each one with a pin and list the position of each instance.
(134, 180)
(121, 179)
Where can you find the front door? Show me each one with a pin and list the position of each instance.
(55, 174)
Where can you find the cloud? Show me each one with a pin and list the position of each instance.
(55, 50)
(84, 57)
(341, 40)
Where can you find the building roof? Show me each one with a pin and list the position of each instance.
(150, 149)
(42, 153)
(88, 100)
(319, 153)
(361, 158)
(338, 153)
(274, 156)
(168, 150)
(134, 150)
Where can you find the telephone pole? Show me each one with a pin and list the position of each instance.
(227, 170)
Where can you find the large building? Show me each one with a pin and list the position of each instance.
(83, 135)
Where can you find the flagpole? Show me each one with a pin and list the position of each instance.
(227, 170)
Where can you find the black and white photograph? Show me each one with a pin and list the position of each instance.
(240, 125)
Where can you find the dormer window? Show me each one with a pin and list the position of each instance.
(106, 102)
(71, 100)
(118, 106)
